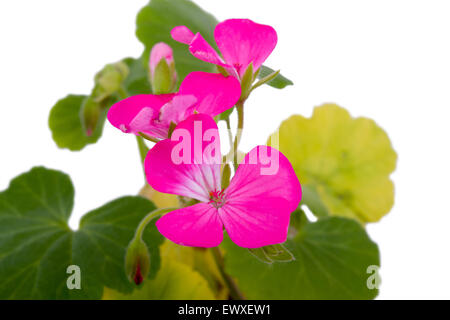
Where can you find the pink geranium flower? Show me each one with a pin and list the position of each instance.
(241, 41)
(152, 115)
(254, 209)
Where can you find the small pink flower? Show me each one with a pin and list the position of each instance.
(201, 92)
(241, 41)
(160, 51)
(254, 209)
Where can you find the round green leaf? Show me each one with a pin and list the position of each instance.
(37, 246)
(65, 124)
(65, 120)
(343, 160)
(332, 256)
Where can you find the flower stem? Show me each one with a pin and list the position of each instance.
(143, 149)
(149, 217)
(230, 135)
(237, 139)
(235, 293)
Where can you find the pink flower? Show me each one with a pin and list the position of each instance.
(241, 41)
(254, 209)
(160, 51)
(201, 92)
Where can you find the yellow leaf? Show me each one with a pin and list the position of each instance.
(161, 200)
(200, 260)
(174, 281)
(347, 161)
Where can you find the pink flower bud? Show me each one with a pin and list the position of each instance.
(137, 261)
(160, 51)
(163, 76)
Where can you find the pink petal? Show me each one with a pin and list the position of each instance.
(196, 226)
(215, 93)
(195, 175)
(260, 199)
(160, 51)
(182, 34)
(135, 114)
(242, 41)
(256, 223)
(202, 50)
(178, 109)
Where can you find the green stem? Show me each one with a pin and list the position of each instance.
(235, 293)
(143, 149)
(230, 135)
(149, 217)
(237, 139)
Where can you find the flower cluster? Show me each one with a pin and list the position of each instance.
(254, 206)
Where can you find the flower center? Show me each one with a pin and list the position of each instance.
(216, 198)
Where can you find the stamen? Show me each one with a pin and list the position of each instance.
(216, 198)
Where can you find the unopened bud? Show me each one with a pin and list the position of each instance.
(109, 79)
(137, 261)
(163, 76)
(89, 115)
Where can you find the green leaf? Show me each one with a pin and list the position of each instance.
(159, 17)
(297, 221)
(331, 259)
(345, 161)
(65, 120)
(312, 200)
(37, 246)
(278, 82)
(175, 281)
(65, 124)
(137, 80)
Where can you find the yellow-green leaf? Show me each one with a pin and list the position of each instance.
(200, 260)
(174, 281)
(161, 200)
(346, 161)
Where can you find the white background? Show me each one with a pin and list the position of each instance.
(388, 60)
